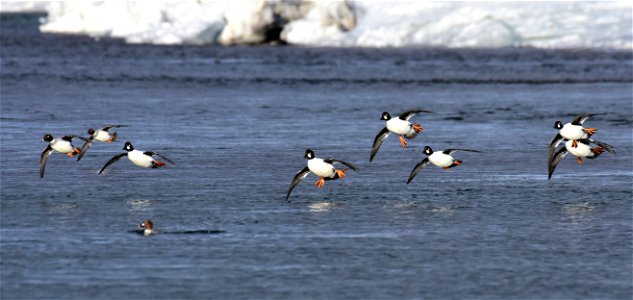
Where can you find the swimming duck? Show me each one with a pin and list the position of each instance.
(60, 144)
(148, 227)
(399, 126)
(441, 159)
(320, 167)
(101, 135)
(139, 158)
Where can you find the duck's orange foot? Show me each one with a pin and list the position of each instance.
(76, 150)
(341, 173)
(320, 182)
(403, 142)
(579, 160)
(417, 127)
(457, 162)
(597, 150)
(574, 143)
(446, 168)
(590, 131)
(159, 163)
(112, 138)
(71, 154)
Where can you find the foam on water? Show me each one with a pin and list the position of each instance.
(338, 23)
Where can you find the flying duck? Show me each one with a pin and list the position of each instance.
(582, 149)
(399, 126)
(60, 144)
(101, 135)
(571, 131)
(139, 158)
(441, 159)
(320, 167)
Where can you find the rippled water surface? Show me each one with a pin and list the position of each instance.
(236, 120)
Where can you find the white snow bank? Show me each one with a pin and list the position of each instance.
(352, 23)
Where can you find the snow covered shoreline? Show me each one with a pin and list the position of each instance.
(346, 23)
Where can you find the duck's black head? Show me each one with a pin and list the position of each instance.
(558, 125)
(428, 150)
(91, 131)
(48, 138)
(309, 154)
(385, 116)
(128, 147)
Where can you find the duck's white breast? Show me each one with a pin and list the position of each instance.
(140, 159)
(61, 146)
(440, 159)
(581, 151)
(573, 132)
(320, 168)
(398, 126)
(102, 136)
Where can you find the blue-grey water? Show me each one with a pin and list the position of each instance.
(237, 120)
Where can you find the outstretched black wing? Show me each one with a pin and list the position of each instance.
(152, 153)
(552, 146)
(453, 150)
(551, 165)
(43, 158)
(332, 160)
(579, 120)
(106, 128)
(382, 135)
(70, 138)
(409, 114)
(297, 179)
(113, 160)
(425, 162)
(606, 146)
(84, 148)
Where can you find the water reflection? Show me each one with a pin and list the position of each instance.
(406, 205)
(323, 206)
(140, 204)
(443, 210)
(579, 212)
(65, 208)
